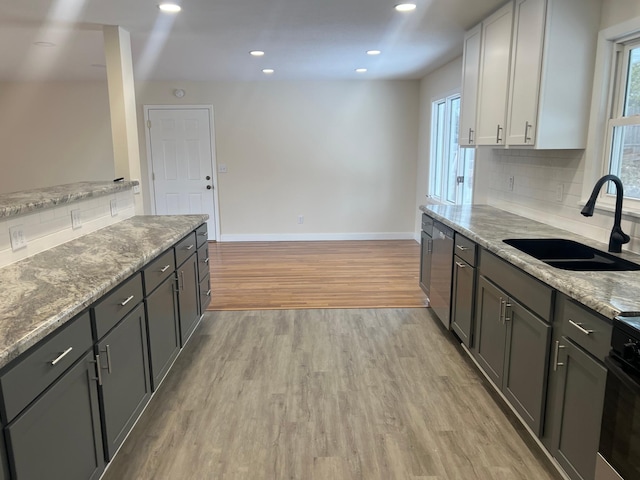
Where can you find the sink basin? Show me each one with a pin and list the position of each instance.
(570, 255)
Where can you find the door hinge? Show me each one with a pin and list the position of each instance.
(459, 180)
(148, 123)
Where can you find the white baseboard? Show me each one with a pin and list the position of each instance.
(312, 237)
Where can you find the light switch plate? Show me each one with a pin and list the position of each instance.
(222, 168)
(18, 239)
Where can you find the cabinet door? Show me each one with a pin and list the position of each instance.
(125, 391)
(526, 64)
(425, 262)
(494, 77)
(578, 409)
(59, 435)
(490, 331)
(525, 378)
(188, 301)
(470, 78)
(163, 329)
(462, 301)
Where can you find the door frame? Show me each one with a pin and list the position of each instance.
(214, 169)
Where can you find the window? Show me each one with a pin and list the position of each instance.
(451, 172)
(623, 132)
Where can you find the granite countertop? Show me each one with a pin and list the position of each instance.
(609, 293)
(42, 292)
(25, 201)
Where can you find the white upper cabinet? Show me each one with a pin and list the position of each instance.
(535, 75)
(553, 54)
(494, 77)
(470, 75)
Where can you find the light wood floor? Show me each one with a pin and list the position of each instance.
(326, 394)
(293, 275)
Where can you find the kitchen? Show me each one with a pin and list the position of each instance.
(390, 207)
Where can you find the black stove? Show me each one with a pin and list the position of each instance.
(625, 343)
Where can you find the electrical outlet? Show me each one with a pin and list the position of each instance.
(222, 168)
(136, 188)
(114, 207)
(18, 239)
(300, 219)
(512, 180)
(559, 192)
(76, 222)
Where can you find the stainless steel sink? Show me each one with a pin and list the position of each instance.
(570, 255)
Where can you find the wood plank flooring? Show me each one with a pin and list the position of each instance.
(299, 275)
(326, 394)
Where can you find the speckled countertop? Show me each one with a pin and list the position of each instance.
(42, 292)
(25, 201)
(610, 293)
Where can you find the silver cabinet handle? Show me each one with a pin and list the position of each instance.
(460, 265)
(202, 233)
(206, 260)
(470, 136)
(209, 293)
(108, 350)
(504, 317)
(189, 247)
(502, 302)
(61, 356)
(527, 125)
(557, 364)
(498, 139)
(165, 268)
(461, 247)
(127, 300)
(581, 328)
(98, 369)
(181, 287)
(429, 246)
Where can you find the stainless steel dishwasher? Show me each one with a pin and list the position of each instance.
(441, 272)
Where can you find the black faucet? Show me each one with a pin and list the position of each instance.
(618, 237)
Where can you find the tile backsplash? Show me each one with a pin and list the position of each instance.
(44, 229)
(546, 185)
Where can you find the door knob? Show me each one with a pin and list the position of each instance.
(208, 177)
(209, 187)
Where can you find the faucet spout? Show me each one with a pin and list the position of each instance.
(618, 237)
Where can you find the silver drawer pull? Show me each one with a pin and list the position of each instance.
(460, 265)
(581, 328)
(202, 233)
(189, 247)
(165, 268)
(61, 356)
(108, 350)
(556, 356)
(206, 260)
(460, 247)
(127, 301)
(209, 293)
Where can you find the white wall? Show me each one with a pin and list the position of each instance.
(343, 154)
(54, 133)
(538, 174)
(438, 84)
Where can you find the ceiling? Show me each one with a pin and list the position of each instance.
(210, 40)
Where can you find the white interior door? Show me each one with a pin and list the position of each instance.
(182, 161)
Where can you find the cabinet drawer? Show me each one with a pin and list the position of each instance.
(35, 371)
(203, 261)
(185, 248)
(427, 224)
(115, 305)
(202, 235)
(205, 293)
(537, 296)
(465, 249)
(158, 270)
(585, 327)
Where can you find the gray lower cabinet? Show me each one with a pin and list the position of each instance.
(59, 435)
(163, 329)
(188, 297)
(125, 391)
(512, 346)
(462, 300)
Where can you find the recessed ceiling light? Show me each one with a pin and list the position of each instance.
(256, 53)
(268, 71)
(405, 7)
(361, 70)
(374, 52)
(44, 44)
(170, 7)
